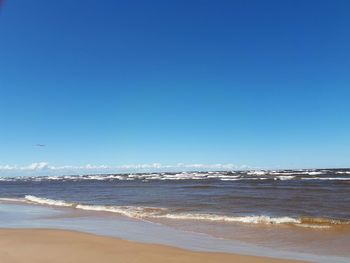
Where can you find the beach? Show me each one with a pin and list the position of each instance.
(48, 245)
(259, 215)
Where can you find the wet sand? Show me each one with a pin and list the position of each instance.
(48, 245)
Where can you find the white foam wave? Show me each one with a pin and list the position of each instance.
(242, 175)
(343, 172)
(241, 219)
(46, 201)
(224, 176)
(155, 212)
(284, 177)
(159, 213)
(285, 173)
(314, 173)
(313, 226)
(326, 178)
(244, 178)
(130, 211)
(256, 173)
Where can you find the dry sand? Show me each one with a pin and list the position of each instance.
(46, 245)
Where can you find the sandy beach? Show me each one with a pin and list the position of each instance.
(47, 245)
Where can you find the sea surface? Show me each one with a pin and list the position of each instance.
(305, 211)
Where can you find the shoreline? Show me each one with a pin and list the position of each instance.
(35, 217)
(52, 245)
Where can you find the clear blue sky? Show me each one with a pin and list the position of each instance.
(260, 83)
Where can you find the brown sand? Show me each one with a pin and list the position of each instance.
(45, 245)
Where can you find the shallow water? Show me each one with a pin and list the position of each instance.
(15, 215)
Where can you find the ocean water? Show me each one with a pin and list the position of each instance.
(298, 210)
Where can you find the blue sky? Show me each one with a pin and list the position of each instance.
(257, 83)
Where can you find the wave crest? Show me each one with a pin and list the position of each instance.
(141, 212)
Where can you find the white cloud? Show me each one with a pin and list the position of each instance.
(143, 166)
(31, 167)
(6, 167)
(228, 166)
(37, 166)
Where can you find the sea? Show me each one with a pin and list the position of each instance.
(299, 211)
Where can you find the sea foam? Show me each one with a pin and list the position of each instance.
(145, 213)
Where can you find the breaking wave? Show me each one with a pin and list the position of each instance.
(46, 201)
(327, 178)
(280, 175)
(240, 219)
(284, 177)
(164, 213)
(130, 211)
